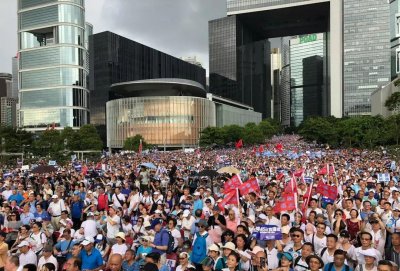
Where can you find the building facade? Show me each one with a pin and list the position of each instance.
(116, 59)
(366, 58)
(308, 77)
(166, 112)
(8, 112)
(53, 88)
(358, 49)
(15, 76)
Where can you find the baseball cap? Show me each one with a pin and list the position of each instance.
(186, 213)
(287, 255)
(54, 197)
(23, 243)
(88, 240)
(156, 222)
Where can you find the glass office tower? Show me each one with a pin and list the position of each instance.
(53, 65)
(366, 51)
(307, 84)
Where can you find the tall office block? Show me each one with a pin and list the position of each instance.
(307, 84)
(52, 71)
(15, 76)
(357, 50)
(115, 59)
(366, 56)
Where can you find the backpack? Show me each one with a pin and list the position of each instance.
(323, 251)
(199, 251)
(171, 243)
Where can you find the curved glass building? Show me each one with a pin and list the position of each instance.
(166, 112)
(53, 63)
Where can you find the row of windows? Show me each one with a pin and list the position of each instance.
(22, 4)
(53, 77)
(51, 56)
(61, 117)
(54, 98)
(52, 15)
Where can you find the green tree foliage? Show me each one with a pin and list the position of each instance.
(89, 139)
(393, 102)
(132, 143)
(251, 133)
(363, 132)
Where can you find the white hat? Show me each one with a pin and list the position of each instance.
(156, 193)
(120, 235)
(186, 213)
(285, 229)
(229, 245)
(262, 217)
(257, 249)
(90, 214)
(90, 192)
(369, 252)
(88, 240)
(147, 237)
(158, 212)
(214, 247)
(251, 218)
(54, 197)
(23, 243)
(196, 193)
(99, 237)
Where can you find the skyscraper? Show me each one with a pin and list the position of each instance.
(53, 66)
(357, 53)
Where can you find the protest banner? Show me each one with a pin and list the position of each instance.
(383, 177)
(250, 185)
(267, 232)
(232, 183)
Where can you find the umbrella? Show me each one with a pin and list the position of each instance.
(208, 172)
(148, 165)
(44, 169)
(230, 170)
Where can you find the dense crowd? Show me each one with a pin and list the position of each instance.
(167, 211)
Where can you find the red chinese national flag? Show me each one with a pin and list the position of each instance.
(261, 149)
(291, 187)
(232, 183)
(285, 203)
(280, 175)
(239, 144)
(320, 186)
(323, 170)
(230, 198)
(250, 185)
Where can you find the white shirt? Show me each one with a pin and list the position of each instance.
(318, 243)
(134, 201)
(112, 230)
(187, 225)
(121, 198)
(56, 208)
(6, 194)
(37, 241)
(29, 257)
(119, 249)
(177, 235)
(51, 259)
(272, 256)
(378, 240)
(89, 227)
(301, 265)
(273, 221)
(326, 257)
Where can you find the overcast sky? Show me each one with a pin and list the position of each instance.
(176, 27)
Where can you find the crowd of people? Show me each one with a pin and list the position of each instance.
(162, 211)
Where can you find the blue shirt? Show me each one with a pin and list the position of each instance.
(26, 218)
(198, 204)
(76, 209)
(142, 250)
(43, 215)
(161, 239)
(330, 267)
(17, 197)
(92, 261)
(64, 245)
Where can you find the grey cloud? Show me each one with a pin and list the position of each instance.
(176, 27)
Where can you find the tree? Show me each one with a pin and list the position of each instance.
(132, 143)
(89, 138)
(267, 128)
(318, 129)
(231, 133)
(253, 134)
(392, 126)
(211, 135)
(393, 102)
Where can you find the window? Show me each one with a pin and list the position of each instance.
(398, 60)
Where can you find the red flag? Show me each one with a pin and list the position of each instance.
(279, 147)
(332, 170)
(230, 198)
(98, 166)
(239, 144)
(306, 201)
(261, 149)
(285, 203)
(250, 185)
(232, 184)
(140, 147)
(299, 172)
(280, 176)
(323, 171)
(84, 170)
(291, 187)
(254, 150)
(327, 190)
